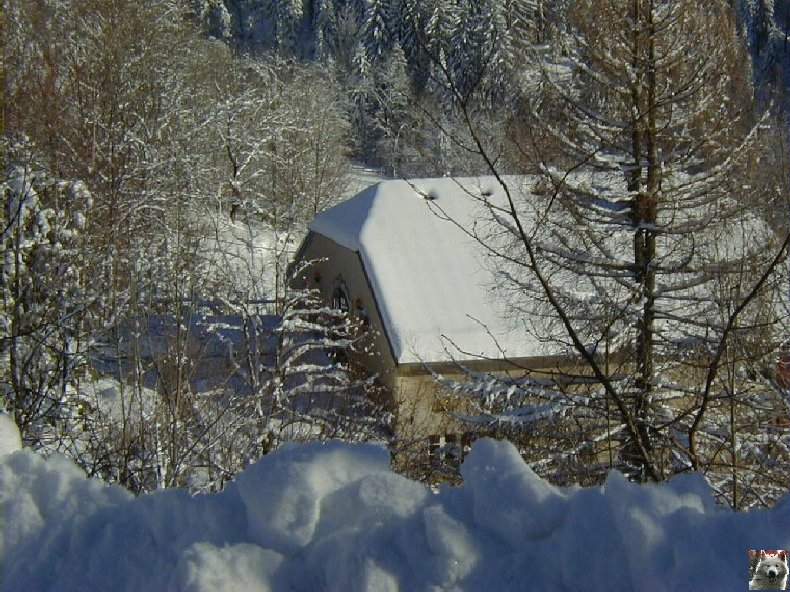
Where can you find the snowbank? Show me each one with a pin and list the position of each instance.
(334, 517)
(9, 435)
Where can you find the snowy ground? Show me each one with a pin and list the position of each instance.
(334, 517)
(253, 256)
(361, 178)
(247, 254)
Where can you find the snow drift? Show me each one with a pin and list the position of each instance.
(334, 517)
(9, 435)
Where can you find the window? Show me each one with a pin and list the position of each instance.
(340, 296)
(340, 302)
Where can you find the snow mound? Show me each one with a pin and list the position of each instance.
(293, 484)
(334, 517)
(10, 440)
(237, 568)
(502, 486)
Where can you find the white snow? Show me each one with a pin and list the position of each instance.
(9, 435)
(443, 294)
(251, 255)
(431, 279)
(334, 517)
(248, 254)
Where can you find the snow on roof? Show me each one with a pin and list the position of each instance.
(429, 277)
(437, 288)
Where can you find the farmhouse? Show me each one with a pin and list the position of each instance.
(404, 256)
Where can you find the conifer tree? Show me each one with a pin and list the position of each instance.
(378, 31)
(653, 260)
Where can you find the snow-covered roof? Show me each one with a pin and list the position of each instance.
(429, 277)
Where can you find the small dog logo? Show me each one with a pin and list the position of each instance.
(767, 570)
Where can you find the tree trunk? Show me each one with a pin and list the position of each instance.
(644, 138)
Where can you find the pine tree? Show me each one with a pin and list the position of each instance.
(323, 18)
(286, 16)
(363, 103)
(410, 24)
(765, 25)
(214, 18)
(378, 32)
(394, 99)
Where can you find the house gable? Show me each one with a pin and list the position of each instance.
(433, 287)
(331, 265)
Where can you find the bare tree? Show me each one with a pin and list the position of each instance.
(46, 299)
